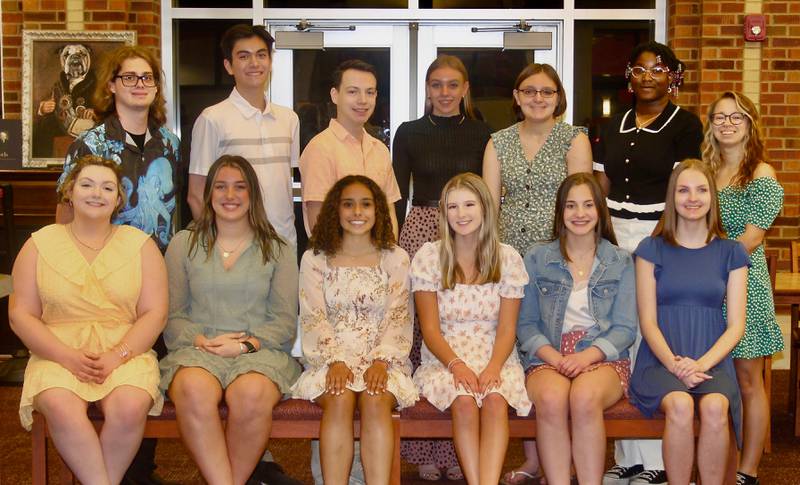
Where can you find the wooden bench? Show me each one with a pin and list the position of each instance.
(300, 419)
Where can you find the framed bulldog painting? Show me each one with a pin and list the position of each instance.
(59, 77)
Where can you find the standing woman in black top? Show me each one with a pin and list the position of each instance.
(446, 141)
(637, 151)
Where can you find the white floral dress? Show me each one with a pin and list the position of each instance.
(356, 315)
(468, 316)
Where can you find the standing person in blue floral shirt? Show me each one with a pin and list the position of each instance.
(130, 102)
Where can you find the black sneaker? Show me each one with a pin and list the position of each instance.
(744, 479)
(650, 476)
(270, 473)
(620, 475)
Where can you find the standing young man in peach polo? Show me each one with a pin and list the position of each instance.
(345, 147)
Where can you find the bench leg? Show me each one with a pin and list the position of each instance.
(39, 442)
(65, 475)
(395, 477)
(768, 391)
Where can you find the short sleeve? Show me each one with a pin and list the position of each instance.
(650, 249)
(571, 133)
(205, 142)
(765, 200)
(316, 171)
(737, 256)
(513, 276)
(425, 270)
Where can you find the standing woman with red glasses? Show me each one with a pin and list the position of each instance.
(749, 200)
(637, 151)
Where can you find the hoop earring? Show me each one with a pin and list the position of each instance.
(669, 90)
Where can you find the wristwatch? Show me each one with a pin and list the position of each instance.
(249, 346)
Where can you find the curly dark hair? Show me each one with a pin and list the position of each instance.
(327, 234)
(667, 56)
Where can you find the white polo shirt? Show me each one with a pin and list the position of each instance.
(268, 139)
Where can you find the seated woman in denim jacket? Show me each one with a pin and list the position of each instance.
(577, 320)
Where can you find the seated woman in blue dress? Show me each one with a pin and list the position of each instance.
(684, 272)
(577, 321)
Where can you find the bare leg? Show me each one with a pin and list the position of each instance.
(678, 442)
(591, 393)
(196, 394)
(494, 437)
(467, 435)
(250, 399)
(750, 374)
(73, 434)
(336, 436)
(714, 440)
(549, 392)
(377, 436)
(125, 412)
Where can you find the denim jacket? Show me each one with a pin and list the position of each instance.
(612, 302)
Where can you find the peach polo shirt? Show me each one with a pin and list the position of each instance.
(335, 153)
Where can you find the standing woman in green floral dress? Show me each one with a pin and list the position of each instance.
(749, 198)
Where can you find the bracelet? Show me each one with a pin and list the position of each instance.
(124, 351)
(452, 363)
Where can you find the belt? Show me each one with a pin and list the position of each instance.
(424, 203)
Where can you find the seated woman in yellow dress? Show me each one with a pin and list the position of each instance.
(232, 322)
(89, 300)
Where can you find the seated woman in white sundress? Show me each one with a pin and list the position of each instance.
(356, 321)
(467, 287)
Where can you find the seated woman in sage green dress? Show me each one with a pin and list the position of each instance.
(232, 320)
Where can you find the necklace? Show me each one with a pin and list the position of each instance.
(110, 229)
(642, 124)
(369, 252)
(225, 253)
(576, 261)
(463, 117)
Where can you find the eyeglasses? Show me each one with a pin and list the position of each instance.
(736, 118)
(655, 71)
(130, 80)
(531, 92)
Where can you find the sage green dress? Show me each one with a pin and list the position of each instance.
(757, 203)
(253, 297)
(529, 187)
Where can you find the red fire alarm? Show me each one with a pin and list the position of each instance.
(755, 28)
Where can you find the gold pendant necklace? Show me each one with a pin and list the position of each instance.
(110, 229)
(225, 253)
(642, 124)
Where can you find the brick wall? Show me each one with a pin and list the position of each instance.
(708, 36)
(142, 16)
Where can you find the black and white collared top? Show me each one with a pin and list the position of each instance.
(638, 161)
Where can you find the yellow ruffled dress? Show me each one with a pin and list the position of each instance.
(92, 307)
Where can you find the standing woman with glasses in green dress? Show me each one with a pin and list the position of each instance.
(749, 200)
(523, 166)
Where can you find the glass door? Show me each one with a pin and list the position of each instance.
(491, 63)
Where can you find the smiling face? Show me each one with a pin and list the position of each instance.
(580, 211)
(530, 96)
(464, 212)
(446, 88)
(728, 133)
(649, 86)
(230, 197)
(95, 193)
(357, 210)
(250, 63)
(355, 97)
(692, 195)
(136, 97)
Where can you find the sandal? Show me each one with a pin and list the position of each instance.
(454, 473)
(429, 473)
(520, 477)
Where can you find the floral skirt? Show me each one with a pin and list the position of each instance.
(568, 342)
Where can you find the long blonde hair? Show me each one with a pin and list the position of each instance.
(668, 224)
(755, 151)
(487, 258)
(454, 63)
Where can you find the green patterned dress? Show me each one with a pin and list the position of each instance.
(758, 203)
(529, 186)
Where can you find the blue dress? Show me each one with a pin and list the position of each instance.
(690, 288)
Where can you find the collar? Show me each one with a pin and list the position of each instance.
(115, 131)
(628, 123)
(606, 253)
(247, 109)
(342, 134)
